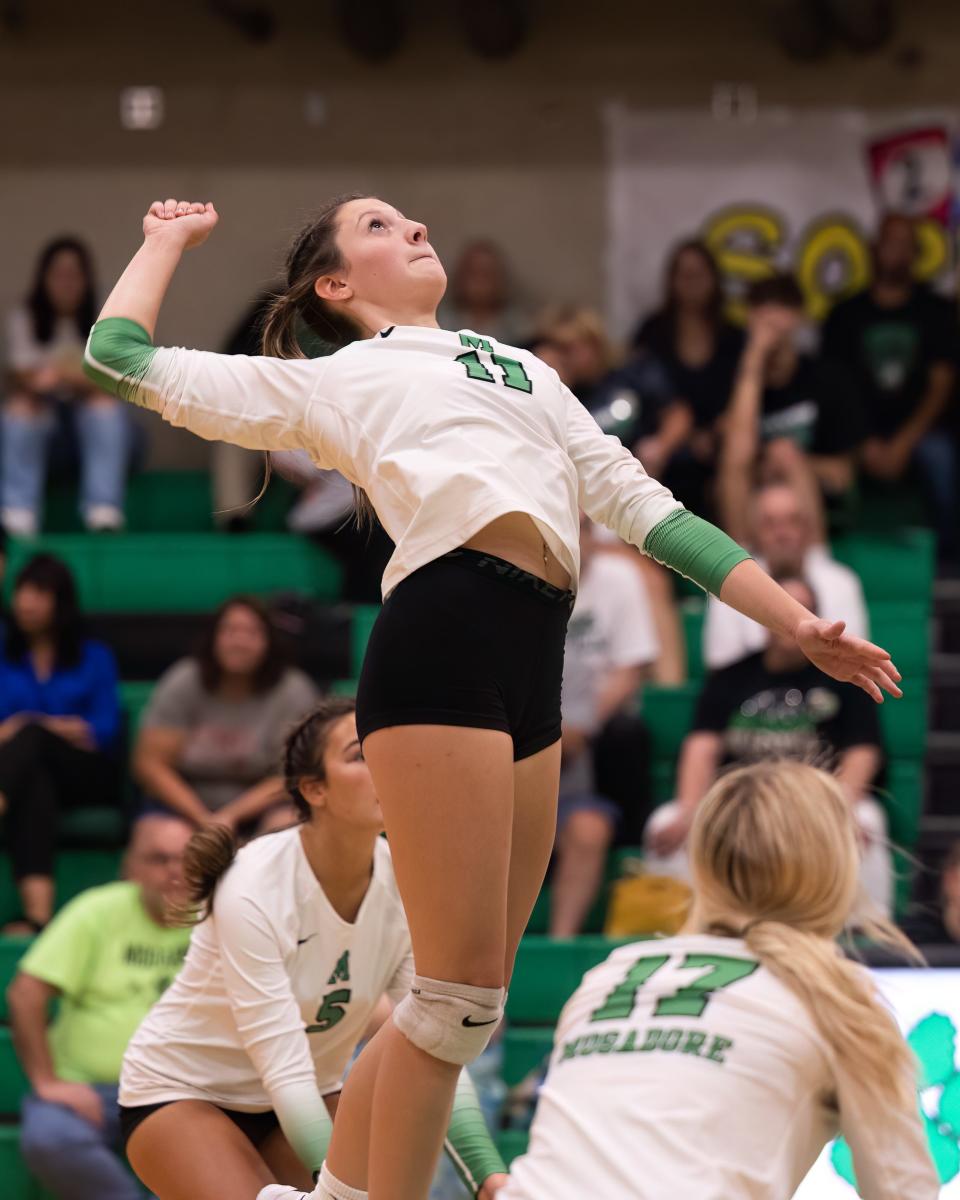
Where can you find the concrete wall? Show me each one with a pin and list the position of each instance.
(512, 150)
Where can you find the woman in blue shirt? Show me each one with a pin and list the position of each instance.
(59, 725)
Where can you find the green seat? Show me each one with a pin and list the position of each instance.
(512, 1143)
(13, 1082)
(524, 1049)
(171, 502)
(18, 1184)
(893, 565)
(189, 572)
(668, 715)
(692, 613)
(364, 616)
(11, 951)
(548, 971)
(903, 628)
(74, 871)
(93, 827)
(134, 696)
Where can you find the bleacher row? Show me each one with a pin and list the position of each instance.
(171, 569)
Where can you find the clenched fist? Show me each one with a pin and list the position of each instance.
(188, 222)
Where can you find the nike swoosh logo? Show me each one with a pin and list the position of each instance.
(300, 941)
(471, 1024)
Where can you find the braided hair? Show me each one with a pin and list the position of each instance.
(211, 851)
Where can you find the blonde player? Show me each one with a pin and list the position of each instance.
(231, 1080)
(475, 458)
(718, 1063)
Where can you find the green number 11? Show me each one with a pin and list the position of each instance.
(514, 376)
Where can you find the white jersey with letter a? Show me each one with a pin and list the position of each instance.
(684, 1070)
(273, 962)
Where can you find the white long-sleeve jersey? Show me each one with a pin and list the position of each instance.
(443, 431)
(275, 993)
(684, 1070)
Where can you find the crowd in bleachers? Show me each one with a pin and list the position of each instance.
(784, 435)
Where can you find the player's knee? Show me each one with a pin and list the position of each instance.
(588, 831)
(450, 1021)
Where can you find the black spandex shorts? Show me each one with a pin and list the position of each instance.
(256, 1126)
(468, 639)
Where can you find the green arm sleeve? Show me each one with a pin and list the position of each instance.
(118, 356)
(694, 548)
(468, 1142)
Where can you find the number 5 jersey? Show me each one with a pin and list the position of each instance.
(684, 1069)
(275, 992)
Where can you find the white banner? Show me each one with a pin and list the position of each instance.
(786, 189)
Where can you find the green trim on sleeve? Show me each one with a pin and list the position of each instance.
(694, 548)
(118, 356)
(468, 1143)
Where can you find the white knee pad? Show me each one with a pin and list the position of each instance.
(451, 1021)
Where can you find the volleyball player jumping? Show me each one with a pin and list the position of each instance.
(475, 458)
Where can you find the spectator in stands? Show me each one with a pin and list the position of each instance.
(213, 729)
(775, 704)
(901, 339)
(780, 532)
(107, 957)
(481, 295)
(59, 726)
(51, 406)
(611, 643)
(941, 925)
(701, 351)
(790, 417)
(633, 399)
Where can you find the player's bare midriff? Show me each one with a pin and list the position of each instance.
(516, 538)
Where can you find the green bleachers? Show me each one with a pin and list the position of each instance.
(75, 870)
(183, 572)
(171, 502)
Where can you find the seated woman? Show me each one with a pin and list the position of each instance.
(52, 407)
(59, 726)
(212, 731)
(718, 1063)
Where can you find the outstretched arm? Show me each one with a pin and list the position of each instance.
(616, 491)
(258, 403)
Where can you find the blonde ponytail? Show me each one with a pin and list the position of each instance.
(775, 855)
(840, 998)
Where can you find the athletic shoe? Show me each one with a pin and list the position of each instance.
(19, 522)
(103, 518)
(277, 1191)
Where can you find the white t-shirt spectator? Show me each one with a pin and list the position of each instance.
(611, 626)
(25, 353)
(729, 636)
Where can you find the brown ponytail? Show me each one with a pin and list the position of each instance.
(205, 861)
(314, 253)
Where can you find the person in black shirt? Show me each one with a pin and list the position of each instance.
(901, 339)
(776, 705)
(700, 349)
(941, 925)
(792, 418)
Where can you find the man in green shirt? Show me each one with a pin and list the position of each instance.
(107, 956)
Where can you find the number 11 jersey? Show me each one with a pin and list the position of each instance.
(682, 1069)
